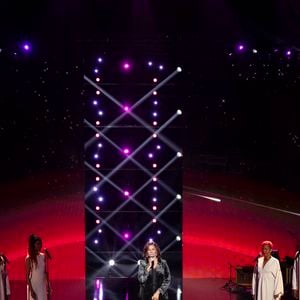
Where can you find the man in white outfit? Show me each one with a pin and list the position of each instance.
(267, 283)
(296, 278)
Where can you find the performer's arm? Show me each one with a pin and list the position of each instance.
(295, 280)
(166, 281)
(143, 272)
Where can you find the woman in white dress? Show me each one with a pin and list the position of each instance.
(267, 281)
(4, 282)
(36, 274)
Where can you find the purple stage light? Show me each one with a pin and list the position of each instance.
(126, 151)
(96, 71)
(288, 52)
(161, 67)
(155, 80)
(150, 63)
(154, 114)
(127, 235)
(126, 193)
(240, 47)
(126, 108)
(155, 102)
(100, 59)
(154, 123)
(95, 102)
(158, 147)
(100, 199)
(98, 79)
(26, 47)
(150, 155)
(126, 66)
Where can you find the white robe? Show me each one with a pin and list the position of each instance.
(3, 283)
(296, 273)
(267, 281)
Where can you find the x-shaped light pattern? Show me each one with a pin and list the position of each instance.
(131, 158)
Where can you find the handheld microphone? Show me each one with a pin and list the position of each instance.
(152, 264)
(48, 255)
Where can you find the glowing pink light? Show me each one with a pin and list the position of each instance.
(155, 102)
(154, 207)
(126, 108)
(155, 93)
(161, 67)
(97, 207)
(95, 102)
(150, 63)
(97, 221)
(126, 193)
(154, 220)
(126, 235)
(288, 52)
(97, 92)
(154, 123)
(154, 166)
(126, 66)
(97, 79)
(96, 71)
(154, 79)
(150, 155)
(126, 151)
(158, 147)
(98, 123)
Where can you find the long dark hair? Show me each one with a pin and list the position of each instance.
(32, 253)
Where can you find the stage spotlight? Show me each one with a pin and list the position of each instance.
(154, 207)
(154, 79)
(179, 112)
(179, 154)
(126, 235)
(126, 193)
(240, 47)
(154, 135)
(97, 92)
(178, 238)
(97, 123)
(97, 166)
(97, 135)
(154, 93)
(95, 189)
(161, 67)
(111, 262)
(97, 178)
(288, 52)
(100, 113)
(100, 199)
(26, 47)
(99, 230)
(100, 59)
(96, 156)
(154, 179)
(126, 151)
(178, 294)
(178, 196)
(155, 188)
(95, 102)
(154, 114)
(179, 69)
(254, 51)
(155, 123)
(158, 232)
(158, 147)
(97, 79)
(154, 199)
(154, 220)
(96, 241)
(98, 221)
(150, 63)
(99, 145)
(155, 102)
(150, 155)
(126, 66)
(154, 166)
(96, 71)
(97, 207)
(126, 108)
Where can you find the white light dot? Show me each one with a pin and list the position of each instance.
(99, 145)
(154, 135)
(99, 230)
(154, 220)
(97, 207)
(97, 178)
(179, 154)
(97, 92)
(100, 199)
(111, 262)
(179, 112)
(179, 69)
(97, 221)
(155, 93)
(178, 238)
(95, 189)
(178, 196)
(97, 123)
(97, 166)
(154, 79)
(97, 79)
(97, 135)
